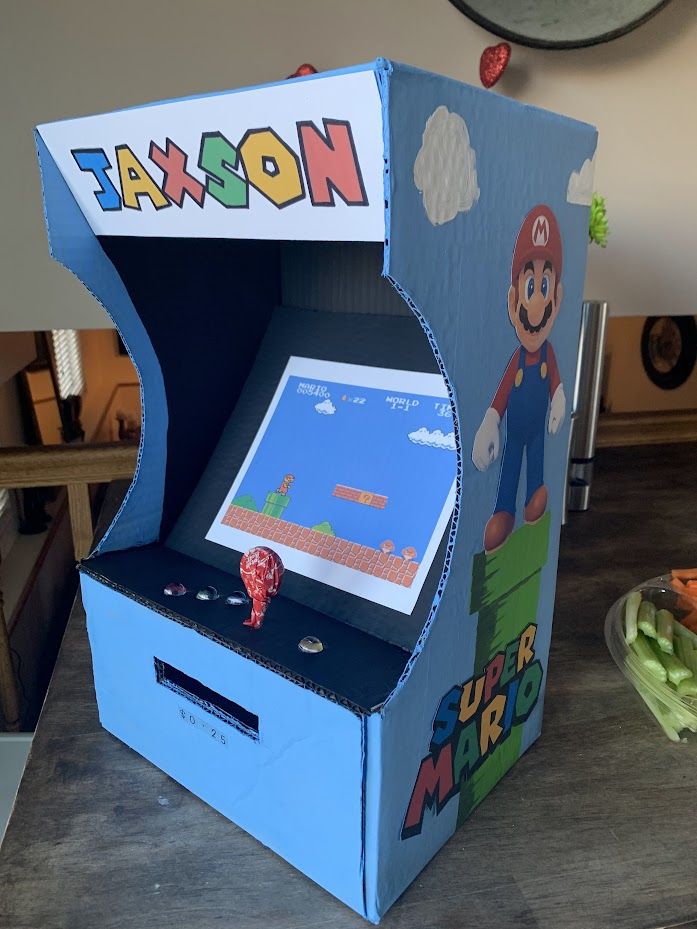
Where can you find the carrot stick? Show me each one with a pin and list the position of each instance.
(679, 586)
(684, 573)
(691, 585)
(690, 621)
(687, 599)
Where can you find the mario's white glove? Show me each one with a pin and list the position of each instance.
(486, 442)
(557, 411)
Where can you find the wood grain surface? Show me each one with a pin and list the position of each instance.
(594, 827)
(57, 465)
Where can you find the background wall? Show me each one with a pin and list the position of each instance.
(105, 369)
(626, 386)
(73, 58)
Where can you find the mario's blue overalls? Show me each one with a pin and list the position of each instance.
(526, 415)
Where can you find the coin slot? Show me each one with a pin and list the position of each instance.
(197, 693)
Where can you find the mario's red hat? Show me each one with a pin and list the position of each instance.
(539, 237)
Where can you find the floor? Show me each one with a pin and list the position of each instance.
(14, 750)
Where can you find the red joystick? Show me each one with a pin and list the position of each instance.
(261, 571)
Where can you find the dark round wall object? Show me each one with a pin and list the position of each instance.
(559, 23)
(669, 349)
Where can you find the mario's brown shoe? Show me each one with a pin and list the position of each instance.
(499, 527)
(537, 505)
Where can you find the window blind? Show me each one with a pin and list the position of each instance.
(66, 350)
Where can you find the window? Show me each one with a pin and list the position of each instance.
(66, 350)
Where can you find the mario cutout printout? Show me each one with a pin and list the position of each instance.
(530, 394)
(478, 727)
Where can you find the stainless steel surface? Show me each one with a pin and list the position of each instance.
(579, 497)
(580, 479)
(565, 511)
(589, 376)
(586, 403)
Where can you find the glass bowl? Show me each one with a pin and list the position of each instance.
(673, 711)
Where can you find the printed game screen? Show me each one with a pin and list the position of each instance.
(350, 478)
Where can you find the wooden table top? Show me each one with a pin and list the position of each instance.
(594, 826)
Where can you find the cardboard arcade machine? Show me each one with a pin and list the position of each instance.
(353, 301)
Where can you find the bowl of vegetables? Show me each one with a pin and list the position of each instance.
(651, 633)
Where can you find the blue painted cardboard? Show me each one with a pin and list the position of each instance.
(457, 274)
(391, 786)
(307, 759)
(73, 245)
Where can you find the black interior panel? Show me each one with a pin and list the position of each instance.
(355, 669)
(380, 341)
(205, 304)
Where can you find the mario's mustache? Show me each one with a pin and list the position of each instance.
(525, 319)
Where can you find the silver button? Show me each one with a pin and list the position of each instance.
(310, 645)
(207, 593)
(175, 589)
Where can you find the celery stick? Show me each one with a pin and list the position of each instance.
(684, 719)
(647, 619)
(667, 724)
(675, 669)
(688, 687)
(631, 608)
(683, 649)
(648, 659)
(689, 654)
(664, 631)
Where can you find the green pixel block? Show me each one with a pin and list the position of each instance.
(524, 554)
(275, 504)
(506, 594)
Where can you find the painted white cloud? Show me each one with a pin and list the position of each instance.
(435, 439)
(445, 170)
(580, 187)
(326, 407)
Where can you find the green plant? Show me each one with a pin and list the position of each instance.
(598, 228)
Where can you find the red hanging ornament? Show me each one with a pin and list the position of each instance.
(303, 71)
(261, 571)
(493, 63)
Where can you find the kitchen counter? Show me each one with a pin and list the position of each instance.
(593, 827)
